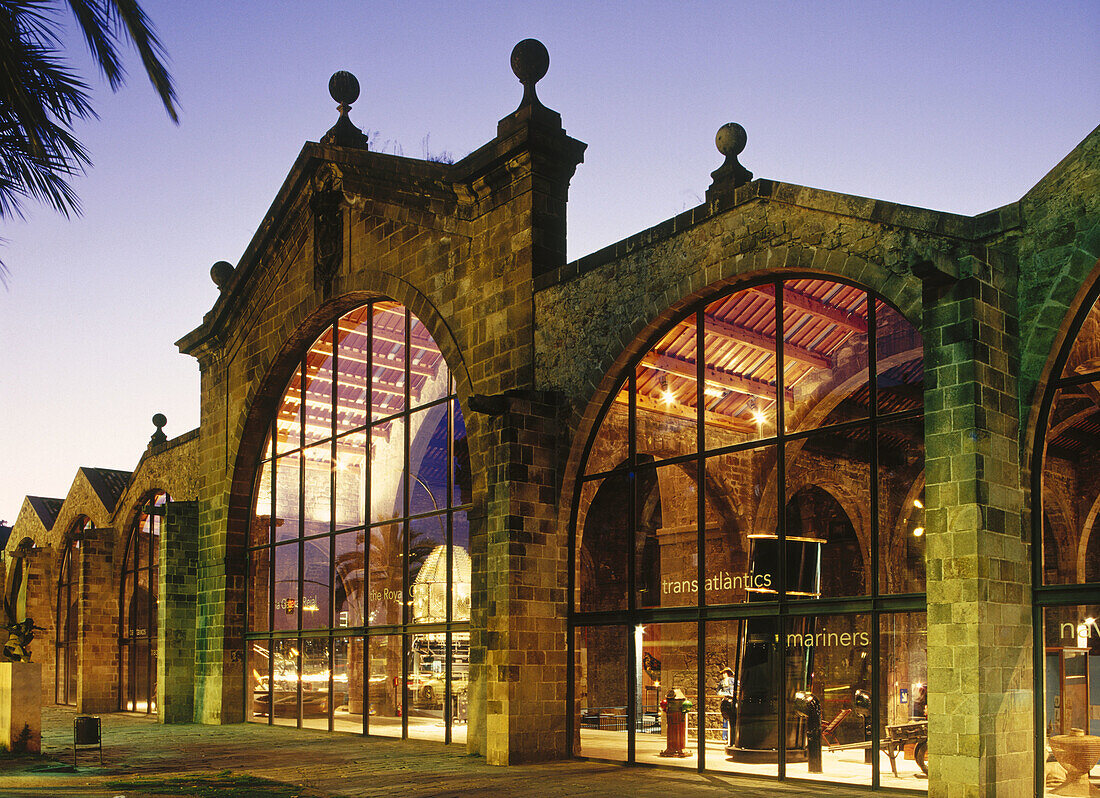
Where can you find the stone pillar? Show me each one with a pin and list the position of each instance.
(97, 625)
(178, 594)
(979, 624)
(41, 604)
(20, 712)
(525, 659)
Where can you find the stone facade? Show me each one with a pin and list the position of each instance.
(535, 345)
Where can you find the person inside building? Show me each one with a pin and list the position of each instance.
(727, 689)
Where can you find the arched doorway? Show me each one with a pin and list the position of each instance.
(741, 506)
(66, 622)
(138, 607)
(358, 601)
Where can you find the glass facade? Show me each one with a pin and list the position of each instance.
(65, 649)
(359, 567)
(748, 544)
(1067, 566)
(138, 608)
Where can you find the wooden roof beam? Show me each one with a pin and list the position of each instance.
(850, 321)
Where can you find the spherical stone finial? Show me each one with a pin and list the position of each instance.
(343, 87)
(221, 272)
(158, 437)
(731, 139)
(530, 60)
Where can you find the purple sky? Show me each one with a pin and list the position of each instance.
(954, 106)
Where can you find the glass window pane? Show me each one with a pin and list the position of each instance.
(900, 361)
(666, 540)
(740, 502)
(385, 598)
(286, 658)
(287, 493)
(743, 736)
(740, 388)
(828, 522)
(1084, 357)
(603, 543)
(1071, 490)
(383, 691)
(428, 460)
(387, 475)
(828, 663)
(347, 684)
(318, 390)
(352, 373)
(666, 675)
(609, 447)
(460, 567)
(350, 579)
(462, 479)
(388, 373)
(316, 671)
(427, 676)
(460, 682)
(901, 506)
(824, 353)
(667, 395)
(259, 591)
(601, 675)
(1070, 695)
(315, 583)
(288, 421)
(260, 529)
(428, 569)
(318, 490)
(351, 474)
(429, 378)
(904, 700)
(259, 682)
(286, 587)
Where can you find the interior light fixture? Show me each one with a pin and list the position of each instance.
(918, 504)
(918, 531)
(759, 417)
(667, 396)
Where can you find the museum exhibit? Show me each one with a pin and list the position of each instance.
(795, 484)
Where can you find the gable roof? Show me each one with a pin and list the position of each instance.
(108, 484)
(46, 509)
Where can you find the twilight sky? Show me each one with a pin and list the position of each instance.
(953, 106)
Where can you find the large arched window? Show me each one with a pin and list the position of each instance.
(1066, 552)
(752, 499)
(66, 626)
(138, 608)
(359, 572)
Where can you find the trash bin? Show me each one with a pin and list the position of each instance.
(87, 731)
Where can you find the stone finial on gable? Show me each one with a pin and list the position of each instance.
(730, 140)
(158, 437)
(344, 88)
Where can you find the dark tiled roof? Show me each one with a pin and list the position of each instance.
(108, 484)
(46, 509)
(5, 533)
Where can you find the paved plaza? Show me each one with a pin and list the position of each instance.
(137, 749)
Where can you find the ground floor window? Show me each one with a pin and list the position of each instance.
(358, 598)
(795, 696)
(390, 685)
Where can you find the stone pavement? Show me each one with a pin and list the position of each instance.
(340, 765)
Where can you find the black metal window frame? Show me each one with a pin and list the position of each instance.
(1043, 595)
(873, 605)
(406, 629)
(134, 563)
(68, 582)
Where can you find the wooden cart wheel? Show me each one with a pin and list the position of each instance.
(920, 753)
